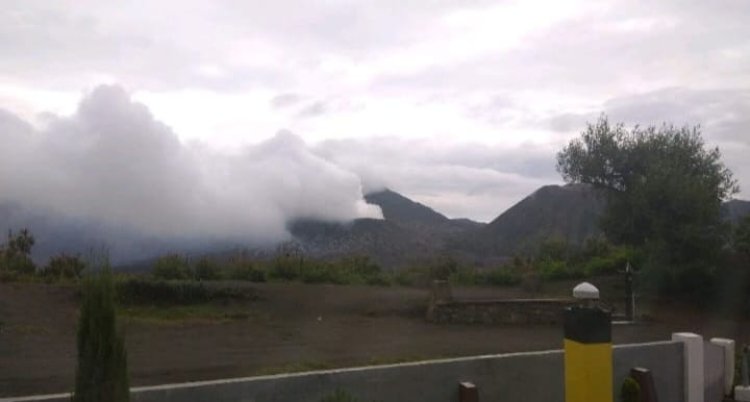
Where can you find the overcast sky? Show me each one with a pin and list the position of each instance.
(458, 104)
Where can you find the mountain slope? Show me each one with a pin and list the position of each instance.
(398, 208)
(409, 231)
(569, 212)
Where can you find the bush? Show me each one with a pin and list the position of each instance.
(207, 270)
(630, 390)
(64, 266)
(323, 273)
(558, 270)
(172, 266)
(246, 271)
(286, 267)
(101, 371)
(501, 277)
(18, 264)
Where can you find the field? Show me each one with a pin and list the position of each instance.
(283, 327)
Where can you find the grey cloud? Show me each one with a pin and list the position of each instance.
(724, 114)
(112, 162)
(284, 100)
(314, 109)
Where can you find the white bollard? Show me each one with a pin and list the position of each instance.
(728, 346)
(693, 344)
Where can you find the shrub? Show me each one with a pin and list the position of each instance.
(64, 266)
(501, 277)
(171, 266)
(207, 270)
(323, 273)
(557, 270)
(15, 255)
(285, 267)
(101, 371)
(630, 390)
(246, 271)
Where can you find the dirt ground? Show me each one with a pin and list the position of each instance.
(290, 327)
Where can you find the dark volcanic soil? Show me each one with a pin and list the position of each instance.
(290, 327)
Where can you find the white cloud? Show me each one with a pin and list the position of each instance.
(113, 163)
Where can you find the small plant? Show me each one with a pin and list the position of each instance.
(339, 395)
(630, 390)
(102, 369)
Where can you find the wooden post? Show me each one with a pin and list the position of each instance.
(467, 392)
(646, 382)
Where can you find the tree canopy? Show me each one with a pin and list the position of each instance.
(664, 187)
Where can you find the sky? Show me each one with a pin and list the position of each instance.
(263, 111)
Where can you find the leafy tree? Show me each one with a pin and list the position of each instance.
(15, 256)
(102, 371)
(742, 236)
(664, 191)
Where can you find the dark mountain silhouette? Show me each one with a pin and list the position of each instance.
(569, 212)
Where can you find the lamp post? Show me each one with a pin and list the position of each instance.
(629, 296)
(588, 348)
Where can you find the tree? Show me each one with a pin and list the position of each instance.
(15, 256)
(664, 189)
(742, 236)
(102, 370)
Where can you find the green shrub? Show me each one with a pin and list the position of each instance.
(18, 264)
(172, 266)
(323, 273)
(630, 390)
(246, 271)
(501, 277)
(207, 270)
(285, 268)
(556, 270)
(101, 371)
(64, 266)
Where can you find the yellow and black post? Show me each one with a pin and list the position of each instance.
(588, 349)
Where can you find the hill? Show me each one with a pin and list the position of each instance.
(568, 212)
(410, 231)
(398, 208)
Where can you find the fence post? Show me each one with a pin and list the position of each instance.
(728, 346)
(693, 373)
(588, 348)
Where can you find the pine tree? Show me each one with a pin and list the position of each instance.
(101, 374)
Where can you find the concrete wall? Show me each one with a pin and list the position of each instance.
(518, 377)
